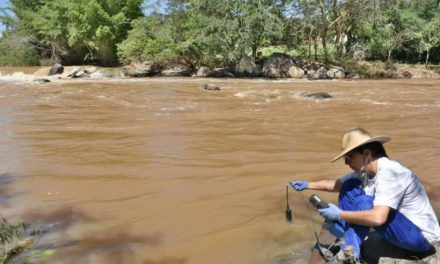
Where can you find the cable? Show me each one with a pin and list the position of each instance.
(327, 254)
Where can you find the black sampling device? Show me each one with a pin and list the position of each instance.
(288, 211)
(317, 202)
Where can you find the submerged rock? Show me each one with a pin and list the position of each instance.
(317, 95)
(208, 87)
(41, 81)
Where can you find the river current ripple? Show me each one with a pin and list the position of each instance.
(159, 170)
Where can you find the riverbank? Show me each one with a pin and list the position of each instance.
(279, 66)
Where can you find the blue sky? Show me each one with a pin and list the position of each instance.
(3, 3)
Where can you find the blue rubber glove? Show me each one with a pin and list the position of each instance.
(299, 185)
(332, 212)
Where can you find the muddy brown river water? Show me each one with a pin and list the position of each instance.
(160, 171)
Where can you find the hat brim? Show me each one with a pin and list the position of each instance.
(381, 139)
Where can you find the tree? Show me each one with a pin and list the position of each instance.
(394, 29)
(77, 31)
(237, 28)
(150, 39)
(431, 36)
(16, 50)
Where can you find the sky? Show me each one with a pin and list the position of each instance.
(3, 3)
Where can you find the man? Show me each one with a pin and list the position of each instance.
(379, 193)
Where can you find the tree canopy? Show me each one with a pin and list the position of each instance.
(220, 33)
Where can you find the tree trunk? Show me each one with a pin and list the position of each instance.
(324, 40)
(254, 52)
(389, 55)
(427, 55)
(310, 47)
(324, 27)
(337, 28)
(310, 43)
(315, 46)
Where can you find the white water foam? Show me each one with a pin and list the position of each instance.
(16, 76)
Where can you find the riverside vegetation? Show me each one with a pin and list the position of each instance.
(220, 34)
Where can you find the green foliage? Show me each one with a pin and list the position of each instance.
(150, 39)
(75, 31)
(201, 31)
(15, 50)
(235, 28)
(219, 33)
(9, 233)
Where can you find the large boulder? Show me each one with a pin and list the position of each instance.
(246, 68)
(296, 72)
(56, 69)
(143, 69)
(108, 73)
(278, 66)
(78, 71)
(336, 72)
(220, 73)
(202, 71)
(319, 74)
(178, 70)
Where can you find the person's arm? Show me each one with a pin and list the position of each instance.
(326, 185)
(374, 217)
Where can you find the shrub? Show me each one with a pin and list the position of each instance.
(16, 50)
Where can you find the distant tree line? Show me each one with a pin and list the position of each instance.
(218, 33)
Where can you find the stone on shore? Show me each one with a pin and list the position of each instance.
(202, 71)
(56, 69)
(278, 66)
(143, 69)
(247, 68)
(220, 73)
(178, 70)
(336, 72)
(296, 72)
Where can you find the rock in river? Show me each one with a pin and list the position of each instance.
(208, 87)
(317, 95)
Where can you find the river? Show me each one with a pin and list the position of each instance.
(158, 170)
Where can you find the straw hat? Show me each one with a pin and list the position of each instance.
(358, 137)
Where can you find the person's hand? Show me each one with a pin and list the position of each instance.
(332, 212)
(299, 185)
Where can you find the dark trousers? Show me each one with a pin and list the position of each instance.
(398, 230)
